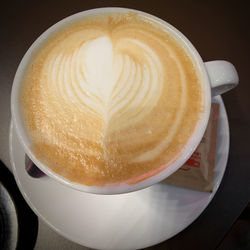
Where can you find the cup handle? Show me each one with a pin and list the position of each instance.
(223, 76)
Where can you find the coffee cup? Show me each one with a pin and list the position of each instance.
(113, 100)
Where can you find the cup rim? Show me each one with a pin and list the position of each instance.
(187, 151)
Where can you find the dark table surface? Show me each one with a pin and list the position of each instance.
(219, 30)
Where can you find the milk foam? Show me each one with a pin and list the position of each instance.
(104, 81)
(110, 100)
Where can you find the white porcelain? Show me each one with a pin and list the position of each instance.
(205, 72)
(223, 76)
(126, 221)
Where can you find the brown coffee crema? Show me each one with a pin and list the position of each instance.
(110, 99)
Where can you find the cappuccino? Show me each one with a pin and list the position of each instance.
(111, 98)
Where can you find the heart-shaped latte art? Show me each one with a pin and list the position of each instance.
(109, 100)
(104, 82)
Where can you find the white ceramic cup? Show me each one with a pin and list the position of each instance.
(216, 78)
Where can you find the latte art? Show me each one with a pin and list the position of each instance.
(104, 82)
(111, 99)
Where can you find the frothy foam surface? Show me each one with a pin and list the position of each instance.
(110, 98)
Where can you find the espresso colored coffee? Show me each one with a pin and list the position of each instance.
(111, 98)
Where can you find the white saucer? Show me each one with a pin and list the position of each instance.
(127, 221)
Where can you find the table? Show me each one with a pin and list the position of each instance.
(218, 29)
